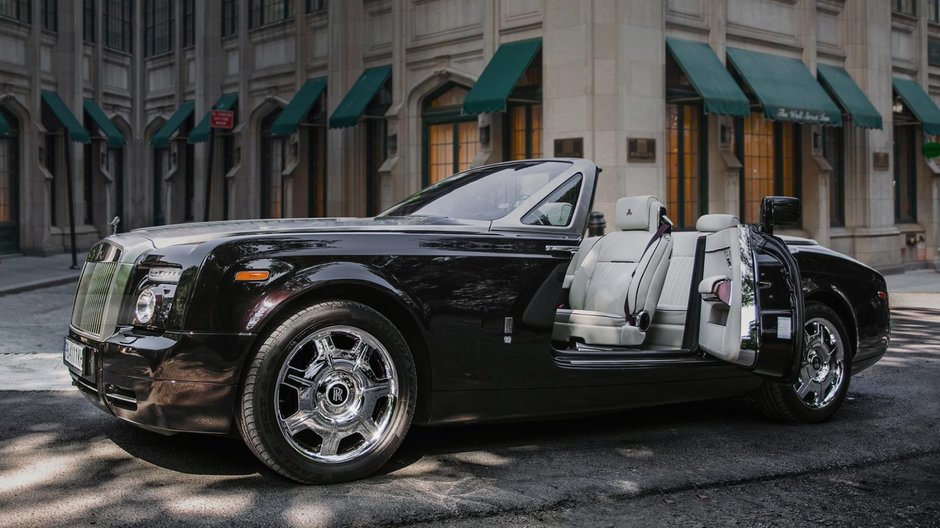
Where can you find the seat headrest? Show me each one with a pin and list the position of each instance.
(633, 213)
(712, 223)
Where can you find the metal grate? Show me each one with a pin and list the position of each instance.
(91, 300)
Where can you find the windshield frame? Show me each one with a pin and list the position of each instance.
(512, 221)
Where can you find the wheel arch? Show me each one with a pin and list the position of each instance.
(378, 297)
(839, 303)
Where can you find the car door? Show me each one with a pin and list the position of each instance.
(751, 304)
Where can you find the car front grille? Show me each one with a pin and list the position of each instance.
(98, 299)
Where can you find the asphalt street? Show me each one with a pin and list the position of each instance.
(63, 462)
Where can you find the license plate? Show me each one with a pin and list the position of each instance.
(74, 355)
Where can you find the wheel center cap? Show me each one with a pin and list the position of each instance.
(816, 363)
(337, 393)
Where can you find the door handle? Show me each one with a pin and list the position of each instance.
(562, 249)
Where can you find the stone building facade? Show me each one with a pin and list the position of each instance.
(342, 108)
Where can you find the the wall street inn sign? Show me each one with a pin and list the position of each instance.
(804, 116)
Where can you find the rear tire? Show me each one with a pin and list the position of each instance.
(823, 378)
(329, 395)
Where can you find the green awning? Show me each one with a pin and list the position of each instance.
(500, 76)
(201, 132)
(4, 126)
(298, 107)
(720, 94)
(852, 99)
(65, 117)
(352, 106)
(920, 103)
(162, 137)
(786, 90)
(115, 137)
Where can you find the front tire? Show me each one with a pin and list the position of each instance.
(329, 395)
(823, 378)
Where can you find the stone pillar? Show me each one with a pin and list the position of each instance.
(869, 190)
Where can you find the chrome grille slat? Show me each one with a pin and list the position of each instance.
(92, 297)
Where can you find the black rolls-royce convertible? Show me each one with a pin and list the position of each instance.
(321, 341)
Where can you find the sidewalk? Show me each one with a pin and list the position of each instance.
(21, 273)
(914, 289)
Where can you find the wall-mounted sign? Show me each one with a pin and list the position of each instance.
(569, 148)
(224, 119)
(881, 161)
(802, 116)
(933, 51)
(641, 150)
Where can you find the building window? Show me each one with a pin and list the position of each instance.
(685, 164)
(933, 11)
(834, 152)
(88, 20)
(262, 12)
(189, 23)
(115, 164)
(9, 181)
(272, 167)
(524, 131)
(51, 163)
(118, 17)
(229, 17)
(376, 146)
(771, 161)
(88, 185)
(49, 13)
(161, 165)
(315, 5)
(158, 27)
(16, 10)
(904, 7)
(451, 140)
(905, 174)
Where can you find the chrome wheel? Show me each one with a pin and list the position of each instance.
(335, 394)
(822, 370)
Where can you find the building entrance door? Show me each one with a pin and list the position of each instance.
(9, 187)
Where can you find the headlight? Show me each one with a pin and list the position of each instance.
(146, 306)
(164, 275)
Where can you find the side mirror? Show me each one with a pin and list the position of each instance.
(778, 210)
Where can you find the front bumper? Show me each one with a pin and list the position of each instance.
(173, 382)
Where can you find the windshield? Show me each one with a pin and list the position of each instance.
(487, 193)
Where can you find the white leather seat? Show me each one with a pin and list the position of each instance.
(669, 327)
(623, 267)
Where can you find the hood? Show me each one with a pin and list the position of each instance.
(195, 233)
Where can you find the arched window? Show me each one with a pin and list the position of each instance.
(9, 183)
(451, 140)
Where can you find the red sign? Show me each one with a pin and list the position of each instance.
(222, 119)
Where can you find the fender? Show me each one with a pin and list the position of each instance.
(831, 292)
(309, 282)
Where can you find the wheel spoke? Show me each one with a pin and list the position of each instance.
(330, 443)
(325, 349)
(297, 422)
(367, 427)
(372, 395)
(803, 389)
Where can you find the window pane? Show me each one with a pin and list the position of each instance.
(833, 152)
(683, 164)
(905, 174)
(758, 164)
(517, 133)
(788, 155)
(536, 131)
(469, 137)
(440, 152)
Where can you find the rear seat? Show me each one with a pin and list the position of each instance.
(668, 327)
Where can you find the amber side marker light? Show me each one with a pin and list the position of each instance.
(252, 276)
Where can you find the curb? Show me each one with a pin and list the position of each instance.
(37, 285)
